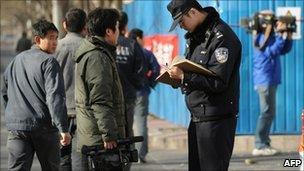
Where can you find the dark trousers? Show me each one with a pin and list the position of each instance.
(23, 144)
(83, 165)
(129, 104)
(210, 144)
(68, 153)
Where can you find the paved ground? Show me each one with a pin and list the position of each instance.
(176, 160)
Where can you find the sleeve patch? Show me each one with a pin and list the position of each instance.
(221, 54)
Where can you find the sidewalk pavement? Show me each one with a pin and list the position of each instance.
(165, 135)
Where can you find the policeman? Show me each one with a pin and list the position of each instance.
(212, 100)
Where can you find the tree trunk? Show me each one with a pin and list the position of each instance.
(60, 7)
(116, 4)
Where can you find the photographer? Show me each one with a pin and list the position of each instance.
(269, 45)
(99, 97)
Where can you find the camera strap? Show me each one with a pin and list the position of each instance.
(267, 33)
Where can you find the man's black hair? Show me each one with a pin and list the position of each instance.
(42, 27)
(101, 19)
(198, 7)
(123, 20)
(136, 32)
(75, 20)
(23, 34)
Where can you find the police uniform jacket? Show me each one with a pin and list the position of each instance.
(216, 47)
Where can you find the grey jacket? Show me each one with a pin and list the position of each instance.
(64, 54)
(33, 93)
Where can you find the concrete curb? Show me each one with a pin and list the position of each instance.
(165, 135)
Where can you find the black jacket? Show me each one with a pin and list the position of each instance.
(215, 46)
(23, 44)
(130, 63)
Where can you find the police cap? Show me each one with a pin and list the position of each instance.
(178, 8)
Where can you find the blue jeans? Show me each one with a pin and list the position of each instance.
(267, 97)
(140, 123)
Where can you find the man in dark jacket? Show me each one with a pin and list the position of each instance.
(99, 97)
(23, 43)
(130, 63)
(75, 25)
(34, 97)
(141, 109)
(212, 100)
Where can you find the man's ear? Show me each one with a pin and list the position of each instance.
(84, 31)
(108, 31)
(64, 25)
(37, 40)
(192, 11)
(138, 39)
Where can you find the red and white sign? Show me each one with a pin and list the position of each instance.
(164, 47)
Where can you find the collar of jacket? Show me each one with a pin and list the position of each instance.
(36, 47)
(100, 41)
(73, 34)
(208, 23)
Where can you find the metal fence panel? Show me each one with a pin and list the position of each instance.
(153, 17)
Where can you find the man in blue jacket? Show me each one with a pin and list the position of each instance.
(34, 100)
(131, 69)
(267, 76)
(141, 109)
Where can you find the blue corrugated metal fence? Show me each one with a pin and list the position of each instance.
(153, 17)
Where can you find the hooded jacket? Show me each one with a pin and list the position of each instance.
(98, 92)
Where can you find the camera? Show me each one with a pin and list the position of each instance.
(260, 21)
(100, 159)
(290, 23)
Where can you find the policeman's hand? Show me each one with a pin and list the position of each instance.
(149, 74)
(110, 145)
(65, 138)
(176, 73)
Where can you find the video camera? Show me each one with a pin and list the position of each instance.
(100, 159)
(260, 21)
